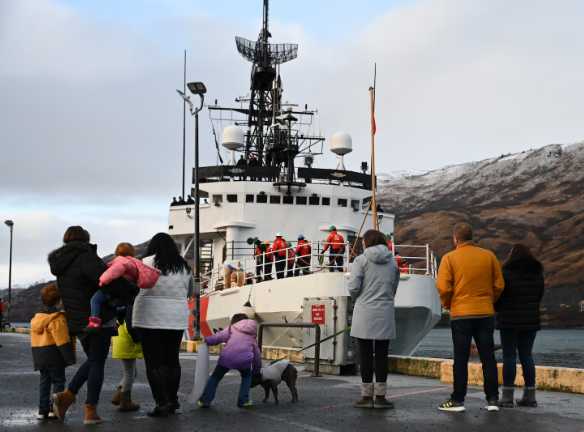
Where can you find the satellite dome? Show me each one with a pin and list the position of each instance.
(233, 138)
(341, 143)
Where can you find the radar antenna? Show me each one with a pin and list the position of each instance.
(272, 138)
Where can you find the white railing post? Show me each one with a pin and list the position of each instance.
(427, 259)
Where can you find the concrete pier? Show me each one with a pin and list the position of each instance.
(325, 404)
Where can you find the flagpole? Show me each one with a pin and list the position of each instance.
(373, 130)
(184, 131)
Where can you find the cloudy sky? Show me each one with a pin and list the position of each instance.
(90, 124)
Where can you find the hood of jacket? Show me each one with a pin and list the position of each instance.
(60, 259)
(42, 319)
(249, 327)
(378, 254)
(524, 265)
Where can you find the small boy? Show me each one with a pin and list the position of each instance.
(52, 349)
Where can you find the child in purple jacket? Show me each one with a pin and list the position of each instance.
(241, 352)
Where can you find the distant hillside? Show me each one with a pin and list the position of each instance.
(535, 197)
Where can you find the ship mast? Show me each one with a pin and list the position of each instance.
(272, 138)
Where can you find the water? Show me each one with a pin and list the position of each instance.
(558, 347)
(552, 347)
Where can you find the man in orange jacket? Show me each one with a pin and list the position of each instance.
(278, 250)
(303, 255)
(469, 282)
(336, 243)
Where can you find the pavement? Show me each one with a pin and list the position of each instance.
(325, 405)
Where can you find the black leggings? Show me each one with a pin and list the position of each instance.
(367, 349)
(161, 349)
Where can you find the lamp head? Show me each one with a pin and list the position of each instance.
(197, 88)
(9, 223)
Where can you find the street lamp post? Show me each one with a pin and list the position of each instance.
(10, 225)
(196, 88)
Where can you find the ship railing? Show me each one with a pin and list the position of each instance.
(251, 268)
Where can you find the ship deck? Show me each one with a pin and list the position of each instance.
(325, 404)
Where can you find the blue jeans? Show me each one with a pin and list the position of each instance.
(482, 331)
(97, 300)
(217, 376)
(96, 347)
(50, 377)
(512, 342)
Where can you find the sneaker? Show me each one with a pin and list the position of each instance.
(94, 324)
(492, 406)
(247, 404)
(451, 406)
(52, 416)
(202, 404)
(42, 416)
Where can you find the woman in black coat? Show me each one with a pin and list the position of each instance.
(518, 321)
(78, 268)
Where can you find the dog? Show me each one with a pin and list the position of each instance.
(271, 376)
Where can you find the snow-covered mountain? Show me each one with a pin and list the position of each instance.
(534, 197)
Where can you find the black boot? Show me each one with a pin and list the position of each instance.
(507, 398)
(158, 384)
(528, 399)
(173, 386)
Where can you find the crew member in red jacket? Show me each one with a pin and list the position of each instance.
(336, 243)
(303, 255)
(278, 250)
(290, 254)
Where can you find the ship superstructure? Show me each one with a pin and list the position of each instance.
(271, 186)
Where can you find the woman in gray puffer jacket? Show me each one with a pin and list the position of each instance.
(373, 284)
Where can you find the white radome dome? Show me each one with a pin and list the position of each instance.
(341, 143)
(233, 138)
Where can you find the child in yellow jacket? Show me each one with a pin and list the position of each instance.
(52, 349)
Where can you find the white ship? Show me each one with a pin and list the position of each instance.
(267, 192)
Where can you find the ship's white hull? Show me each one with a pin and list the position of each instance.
(276, 301)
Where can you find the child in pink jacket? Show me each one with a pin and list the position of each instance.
(241, 352)
(126, 266)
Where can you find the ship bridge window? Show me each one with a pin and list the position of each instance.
(287, 199)
(249, 198)
(275, 199)
(300, 200)
(314, 200)
(355, 205)
(261, 198)
(217, 199)
(232, 198)
(326, 201)
(342, 202)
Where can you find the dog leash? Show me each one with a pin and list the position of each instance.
(315, 344)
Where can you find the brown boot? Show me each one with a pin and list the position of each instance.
(366, 400)
(61, 403)
(117, 397)
(91, 417)
(126, 404)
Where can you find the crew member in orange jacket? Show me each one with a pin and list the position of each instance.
(303, 255)
(336, 243)
(278, 250)
(268, 259)
(290, 254)
(259, 251)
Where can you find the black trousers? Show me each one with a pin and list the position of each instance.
(463, 332)
(373, 358)
(336, 261)
(161, 349)
(280, 267)
(302, 265)
(268, 269)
